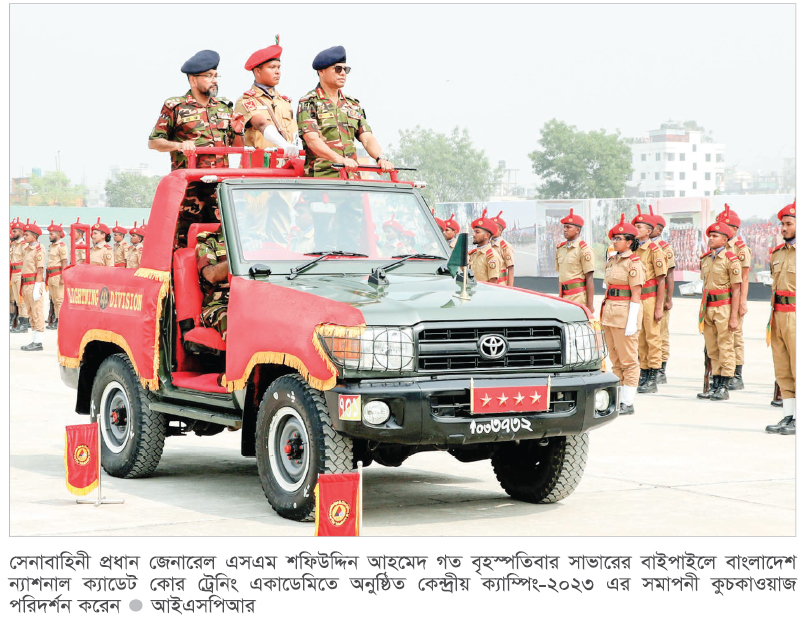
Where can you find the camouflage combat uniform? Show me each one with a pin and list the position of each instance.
(210, 250)
(182, 119)
(338, 125)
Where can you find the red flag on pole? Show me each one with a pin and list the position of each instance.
(81, 458)
(337, 505)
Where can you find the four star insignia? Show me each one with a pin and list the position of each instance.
(503, 398)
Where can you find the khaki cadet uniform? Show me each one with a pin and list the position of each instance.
(670, 260)
(33, 259)
(15, 257)
(622, 272)
(506, 252)
(738, 247)
(56, 252)
(302, 241)
(80, 254)
(650, 336)
(485, 262)
(719, 272)
(210, 250)
(453, 242)
(134, 255)
(101, 255)
(275, 107)
(573, 260)
(339, 125)
(120, 253)
(783, 318)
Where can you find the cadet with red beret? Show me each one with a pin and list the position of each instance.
(575, 263)
(505, 250)
(621, 311)
(120, 245)
(134, 255)
(101, 253)
(57, 260)
(670, 260)
(783, 319)
(15, 258)
(268, 114)
(485, 260)
(720, 302)
(451, 230)
(653, 293)
(33, 283)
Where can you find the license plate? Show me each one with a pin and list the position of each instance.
(510, 399)
(349, 407)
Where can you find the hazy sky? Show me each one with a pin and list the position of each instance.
(89, 80)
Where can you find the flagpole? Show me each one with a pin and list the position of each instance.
(360, 493)
(100, 499)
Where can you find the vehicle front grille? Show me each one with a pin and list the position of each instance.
(454, 347)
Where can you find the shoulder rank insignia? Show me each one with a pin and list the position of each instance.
(288, 99)
(489, 252)
(503, 244)
(739, 243)
(250, 93)
(664, 244)
(172, 102)
(703, 255)
(634, 257)
(731, 256)
(653, 246)
(582, 244)
(472, 251)
(776, 248)
(561, 244)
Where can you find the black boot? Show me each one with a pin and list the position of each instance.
(643, 375)
(661, 376)
(31, 347)
(789, 429)
(11, 317)
(713, 382)
(736, 383)
(626, 409)
(22, 326)
(650, 382)
(780, 425)
(777, 403)
(721, 389)
(54, 325)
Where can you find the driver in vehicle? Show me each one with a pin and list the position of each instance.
(213, 271)
(302, 235)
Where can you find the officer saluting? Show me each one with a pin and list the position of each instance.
(783, 320)
(484, 260)
(101, 253)
(575, 263)
(718, 319)
(57, 260)
(268, 114)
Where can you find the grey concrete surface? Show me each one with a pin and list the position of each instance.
(679, 466)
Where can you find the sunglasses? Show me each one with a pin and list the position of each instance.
(342, 69)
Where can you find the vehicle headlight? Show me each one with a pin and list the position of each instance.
(369, 348)
(583, 343)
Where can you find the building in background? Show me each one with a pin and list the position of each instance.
(674, 161)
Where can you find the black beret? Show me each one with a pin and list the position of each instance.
(328, 57)
(204, 60)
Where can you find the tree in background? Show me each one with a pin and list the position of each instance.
(129, 190)
(579, 165)
(54, 189)
(450, 165)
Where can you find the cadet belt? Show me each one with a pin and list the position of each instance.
(712, 298)
(618, 291)
(28, 279)
(784, 301)
(119, 264)
(16, 267)
(52, 271)
(649, 289)
(573, 286)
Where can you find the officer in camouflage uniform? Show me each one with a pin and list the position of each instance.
(197, 119)
(329, 121)
(213, 272)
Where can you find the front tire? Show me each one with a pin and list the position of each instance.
(541, 474)
(132, 435)
(295, 442)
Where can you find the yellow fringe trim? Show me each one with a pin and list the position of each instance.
(78, 491)
(280, 358)
(108, 336)
(149, 273)
(153, 384)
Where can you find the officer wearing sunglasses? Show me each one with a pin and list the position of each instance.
(329, 121)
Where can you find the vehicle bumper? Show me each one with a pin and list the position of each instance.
(69, 375)
(421, 410)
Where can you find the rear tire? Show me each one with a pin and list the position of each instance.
(295, 442)
(541, 474)
(132, 435)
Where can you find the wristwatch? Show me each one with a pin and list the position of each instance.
(381, 157)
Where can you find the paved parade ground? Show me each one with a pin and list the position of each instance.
(679, 466)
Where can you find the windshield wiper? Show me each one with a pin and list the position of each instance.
(410, 256)
(297, 270)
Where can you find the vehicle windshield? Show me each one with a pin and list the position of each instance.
(292, 225)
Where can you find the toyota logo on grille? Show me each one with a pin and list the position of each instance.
(492, 347)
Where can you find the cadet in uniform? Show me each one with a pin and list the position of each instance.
(329, 121)
(451, 229)
(15, 257)
(718, 317)
(575, 263)
(213, 272)
(783, 320)
(653, 292)
(670, 260)
(120, 245)
(302, 236)
(57, 260)
(100, 254)
(134, 255)
(505, 250)
(80, 254)
(738, 247)
(268, 114)
(197, 119)
(392, 243)
(33, 284)
(621, 311)
(484, 260)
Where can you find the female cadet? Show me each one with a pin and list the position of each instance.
(621, 313)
